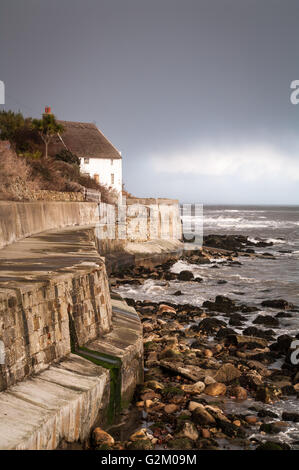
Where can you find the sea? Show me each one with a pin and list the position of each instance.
(255, 280)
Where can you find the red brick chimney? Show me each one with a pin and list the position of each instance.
(48, 110)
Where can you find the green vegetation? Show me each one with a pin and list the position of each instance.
(47, 127)
(112, 363)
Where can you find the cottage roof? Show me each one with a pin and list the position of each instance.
(83, 139)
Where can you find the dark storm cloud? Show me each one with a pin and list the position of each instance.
(195, 93)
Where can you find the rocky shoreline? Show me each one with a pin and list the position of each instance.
(208, 386)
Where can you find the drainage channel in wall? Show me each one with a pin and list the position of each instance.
(114, 365)
(107, 361)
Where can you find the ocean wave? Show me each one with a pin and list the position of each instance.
(240, 222)
(275, 241)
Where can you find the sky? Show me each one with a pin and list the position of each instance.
(194, 93)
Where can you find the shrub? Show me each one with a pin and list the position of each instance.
(68, 157)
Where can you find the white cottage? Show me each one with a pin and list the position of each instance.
(99, 158)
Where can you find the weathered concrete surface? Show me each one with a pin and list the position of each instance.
(54, 290)
(46, 281)
(24, 219)
(60, 404)
(125, 341)
(147, 254)
(154, 247)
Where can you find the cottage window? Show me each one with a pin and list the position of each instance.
(112, 178)
(111, 161)
(86, 160)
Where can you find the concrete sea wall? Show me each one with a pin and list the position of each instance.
(24, 219)
(58, 320)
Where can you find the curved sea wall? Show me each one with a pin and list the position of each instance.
(71, 353)
(24, 219)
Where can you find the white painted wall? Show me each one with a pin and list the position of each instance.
(104, 167)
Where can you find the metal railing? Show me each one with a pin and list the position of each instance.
(92, 195)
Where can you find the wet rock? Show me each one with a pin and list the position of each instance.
(205, 433)
(248, 341)
(154, 385)
(193, 405)
(282, 344)
(210, 325)
(251, 419)
(273, 428)
(194, 389)
(252, 379)
(215, 389)
(263, 413)
(283, 315)
(222, 304)
(177, 293)
(171, 408)
(277, 303)
(180, 443)
(208, 353)
(227, 373)
(189, 431)
(193, 373)
(141, 444)
(272, 445)
(236, 319)
(185, 276)
(209, 380)
(290, 416)
(231, 429)
(201, 416)
(266, 394)
(170, 353)
(163, 308)
(238, 392)
(226, 242)
(224, 332)
(266, 320)
(257, 332)
(101, 438)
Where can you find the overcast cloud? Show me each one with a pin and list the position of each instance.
(195, 93)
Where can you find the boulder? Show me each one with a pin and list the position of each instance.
(277, 303)
(290, 416)
(163, 308)
(210, 325)
(195, 389)
(215, 389)
(239, 393)
(222, 304)
(185, 276)
(227, 373)
(201, 416)
(101, 438)
(266, 320)
(189, 431)
(171, 408)
(251, 341)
